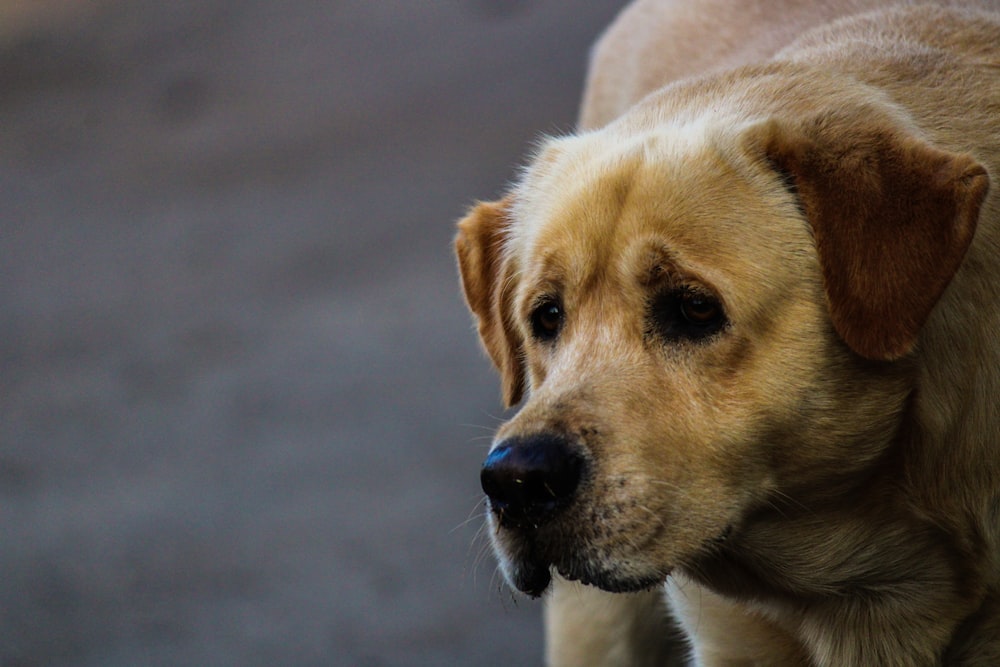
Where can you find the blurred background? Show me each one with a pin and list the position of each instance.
(242, 405)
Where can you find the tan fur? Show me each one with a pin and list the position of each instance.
(819, 480)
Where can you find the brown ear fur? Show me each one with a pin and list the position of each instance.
(486, 280)
(892, 219)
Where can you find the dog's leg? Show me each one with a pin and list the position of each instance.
(587, 627)
(724, 633)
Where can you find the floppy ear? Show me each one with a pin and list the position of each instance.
(487, 280)
(892, 218)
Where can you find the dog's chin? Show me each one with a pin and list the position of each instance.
(530, 557)
(613, 582)
(533, 577)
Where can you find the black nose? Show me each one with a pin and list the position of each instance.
(528, 479)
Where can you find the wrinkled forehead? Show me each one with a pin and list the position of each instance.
(586, 183)
(608, 200)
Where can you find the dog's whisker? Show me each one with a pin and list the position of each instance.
(659, 482)
(789, 501)
(477, 512)
(485, 552)
(489, 431)
(659, 519)
(501, 587)
(477, 440)
(481, 538)
(481, 427)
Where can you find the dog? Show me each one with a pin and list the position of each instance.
(753, 308)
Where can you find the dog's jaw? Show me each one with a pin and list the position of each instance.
(528, 557)
(531, 574)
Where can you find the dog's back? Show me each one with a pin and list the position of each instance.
(655, 42)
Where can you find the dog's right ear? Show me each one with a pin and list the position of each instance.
(487, 280)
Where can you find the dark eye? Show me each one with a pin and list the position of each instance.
(686, 314)
(699, 310)
(547, 320)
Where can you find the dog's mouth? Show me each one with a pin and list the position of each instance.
(614, 582)
(530, 576)
(529, 556)
(533, 576)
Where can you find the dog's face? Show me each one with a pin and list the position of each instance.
(667, 301)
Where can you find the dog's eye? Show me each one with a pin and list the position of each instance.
(699, 310)
(686, 314)
(547, 320)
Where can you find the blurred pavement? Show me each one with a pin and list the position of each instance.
(242, 406)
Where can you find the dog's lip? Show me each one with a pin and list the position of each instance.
(532, 578)
(531, 560)
(525, 566)
(612, 583)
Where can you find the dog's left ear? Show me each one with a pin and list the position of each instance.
(892, 218)
(488, 282)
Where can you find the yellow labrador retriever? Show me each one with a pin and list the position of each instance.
(754, 305)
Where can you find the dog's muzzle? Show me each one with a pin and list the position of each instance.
(529, 479)
(537, 488)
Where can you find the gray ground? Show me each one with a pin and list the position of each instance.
(242, 408)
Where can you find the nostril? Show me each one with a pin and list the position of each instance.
(527, 479)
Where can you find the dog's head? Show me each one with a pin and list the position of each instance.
(706, 317)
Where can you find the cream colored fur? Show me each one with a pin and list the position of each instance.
(818, 482)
